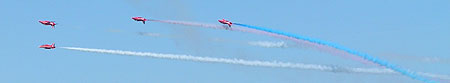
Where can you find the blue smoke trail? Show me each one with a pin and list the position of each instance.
(363, 55)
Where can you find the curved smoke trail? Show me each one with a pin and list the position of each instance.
(275, 64)
(305, 43)
(308, 41)
(363, 55)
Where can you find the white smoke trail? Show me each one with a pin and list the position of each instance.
(268, 44)
(274, 64)
(237, 61)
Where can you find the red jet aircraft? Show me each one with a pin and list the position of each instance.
(46, 46)
(139, 19)
(51, 23)
(223, 21)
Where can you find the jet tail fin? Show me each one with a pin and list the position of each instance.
(53, 44)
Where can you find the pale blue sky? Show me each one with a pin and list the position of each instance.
(402, 32)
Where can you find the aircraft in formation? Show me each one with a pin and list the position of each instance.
(223, 21)
(46, 46)
(139, 19)
(52, 23)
